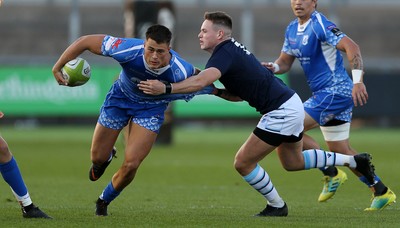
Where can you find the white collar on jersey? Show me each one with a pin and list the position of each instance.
(301, 28)
(156, 71)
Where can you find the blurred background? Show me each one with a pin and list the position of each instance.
(35, 32)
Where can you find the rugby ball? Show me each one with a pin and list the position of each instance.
(77, 72)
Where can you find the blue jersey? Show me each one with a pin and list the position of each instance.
(129, 52)
(314, 45)
(244, 76)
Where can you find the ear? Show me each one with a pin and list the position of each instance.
(220, 34)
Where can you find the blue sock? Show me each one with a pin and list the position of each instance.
(109, 193)
(12, 176)
(365, 181)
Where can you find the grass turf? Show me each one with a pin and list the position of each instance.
(191, 183)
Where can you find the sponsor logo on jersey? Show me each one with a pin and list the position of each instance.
(336, 31)
(117, 43)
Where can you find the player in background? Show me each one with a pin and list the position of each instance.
(139, 59)
(12, 175)
(316, 42)
(281, 124)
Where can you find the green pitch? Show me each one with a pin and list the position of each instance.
(191, 183)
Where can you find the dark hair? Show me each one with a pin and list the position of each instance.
(219, 18)
(159, 33)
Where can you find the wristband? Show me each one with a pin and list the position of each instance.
(276, 66)
(168, 87)
(357, 74)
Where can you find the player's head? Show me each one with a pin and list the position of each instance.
(303, 8)
(157, 46)
(216, 27)
(159, 33)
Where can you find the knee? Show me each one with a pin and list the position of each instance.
(128, 169)
(242, 166)
(4, 151)
(99, 157)
(96, 159)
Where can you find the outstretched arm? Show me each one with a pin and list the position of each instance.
(91, 43)
(192, 84)
(281, 65)
(352, 50)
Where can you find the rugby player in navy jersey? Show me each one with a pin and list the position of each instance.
(281, 124)
(139, 59)
(317, 43)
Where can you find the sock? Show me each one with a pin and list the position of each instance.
(13, 177)
(109, 193)
(330, 171)
(378, 187)
(261, 182)
(316, 158)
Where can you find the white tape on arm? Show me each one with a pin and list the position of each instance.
(357, 74)
(276, 66)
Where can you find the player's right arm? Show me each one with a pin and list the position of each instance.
(91, 43)
(192, 84)
(281, 65)
(226, 95)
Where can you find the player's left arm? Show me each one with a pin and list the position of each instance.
(353, 53)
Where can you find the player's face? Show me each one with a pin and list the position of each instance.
(156, 55)
(303, 8)
(208, 36)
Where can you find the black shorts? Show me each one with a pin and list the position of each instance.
(276, 139)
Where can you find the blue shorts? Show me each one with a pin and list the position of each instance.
(324, 107)
(118, 109)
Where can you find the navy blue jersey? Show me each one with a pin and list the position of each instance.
(244, 76)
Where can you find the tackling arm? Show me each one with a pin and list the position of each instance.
(192, 84)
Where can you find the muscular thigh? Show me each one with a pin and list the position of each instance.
(139, 144)
(103, 141)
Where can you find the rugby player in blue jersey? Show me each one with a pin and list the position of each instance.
(11, 174)
(281, 124)
(317, 43)
(151, 58)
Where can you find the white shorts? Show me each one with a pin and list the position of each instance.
(287, 120)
